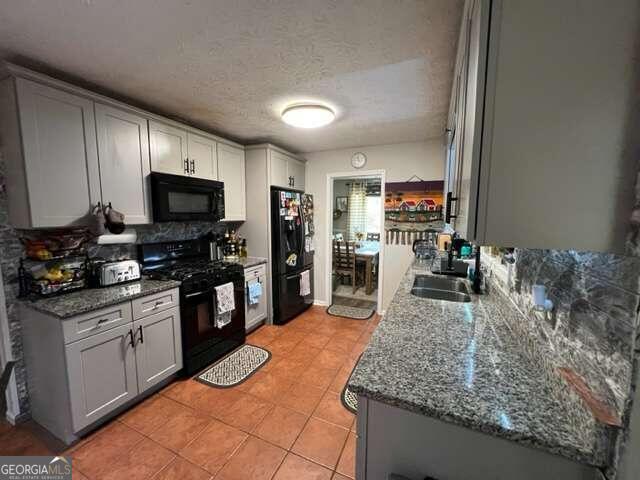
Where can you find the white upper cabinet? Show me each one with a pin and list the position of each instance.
(59, 181)
(123, 151)
(279, 169)
(231, 171)
(466, 121)
(543, 126)
(67, 149)
(286, 171)
(168, 146)
(181, 152)
(296, 172)
(203, 156)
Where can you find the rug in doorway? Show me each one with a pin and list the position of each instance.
(350, 399)
(346, 311)
(236, 367)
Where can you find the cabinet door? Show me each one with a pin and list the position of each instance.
(451, 139)
(231, 172)
(168, 149)
(296, 172)
(256, 312)
(203, 156)
(158, 347)
(60, 155)
(279, 170)
(123, 149)
(471, 122)
(102, 374)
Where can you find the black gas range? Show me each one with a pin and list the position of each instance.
(188, 262)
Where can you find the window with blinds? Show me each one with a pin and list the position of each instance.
(364, 209)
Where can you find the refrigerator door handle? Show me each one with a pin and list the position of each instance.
(302, 235)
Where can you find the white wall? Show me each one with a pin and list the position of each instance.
(340, 189)
(400, 161)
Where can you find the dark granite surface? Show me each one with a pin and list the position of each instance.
(463, 363)
(83, 301)
(249, 262)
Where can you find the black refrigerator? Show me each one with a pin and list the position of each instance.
(291, 253)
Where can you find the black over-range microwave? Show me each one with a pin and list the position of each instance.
(177, 199)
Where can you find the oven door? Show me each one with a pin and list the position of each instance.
(202, 341)
(177, 198)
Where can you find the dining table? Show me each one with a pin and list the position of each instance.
(368, 251)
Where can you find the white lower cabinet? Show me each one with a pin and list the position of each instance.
(102, 374)
(82, 369)
(158, 347)
(255, 313)
(396, 443)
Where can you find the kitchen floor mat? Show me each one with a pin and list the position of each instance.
(347, 311)
(236, 367)
(348, 398)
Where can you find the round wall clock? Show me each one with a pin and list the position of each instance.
(358, 160)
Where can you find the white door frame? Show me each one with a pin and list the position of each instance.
(13, 406)
(329, 228)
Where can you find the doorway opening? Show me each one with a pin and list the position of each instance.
(356, 240)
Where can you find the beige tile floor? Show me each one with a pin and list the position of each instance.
(286, 422)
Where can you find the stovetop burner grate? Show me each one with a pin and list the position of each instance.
(184, 270)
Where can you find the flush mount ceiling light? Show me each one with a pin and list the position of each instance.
(308, 116)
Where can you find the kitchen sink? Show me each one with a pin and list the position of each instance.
(441, 288)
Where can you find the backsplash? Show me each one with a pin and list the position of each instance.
(157, 232)
(593, 326)
(11, 251)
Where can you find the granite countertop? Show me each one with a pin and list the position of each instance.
(461, 363)
(90, 299)
(249, 262)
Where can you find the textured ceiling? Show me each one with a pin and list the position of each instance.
(232, 66)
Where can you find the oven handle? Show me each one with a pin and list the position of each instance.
(195, 294)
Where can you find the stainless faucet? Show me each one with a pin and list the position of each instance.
(477, 276)
(450, 252)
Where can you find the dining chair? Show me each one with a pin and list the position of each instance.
(373, 237)
(344, 261)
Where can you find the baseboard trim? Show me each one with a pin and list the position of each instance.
(320, 303)
(14, 419)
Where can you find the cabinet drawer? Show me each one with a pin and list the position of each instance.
(255, 272)
(91, 323)
(155, 303)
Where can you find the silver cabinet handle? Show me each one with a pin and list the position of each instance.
(186, 166)
(193, 167)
